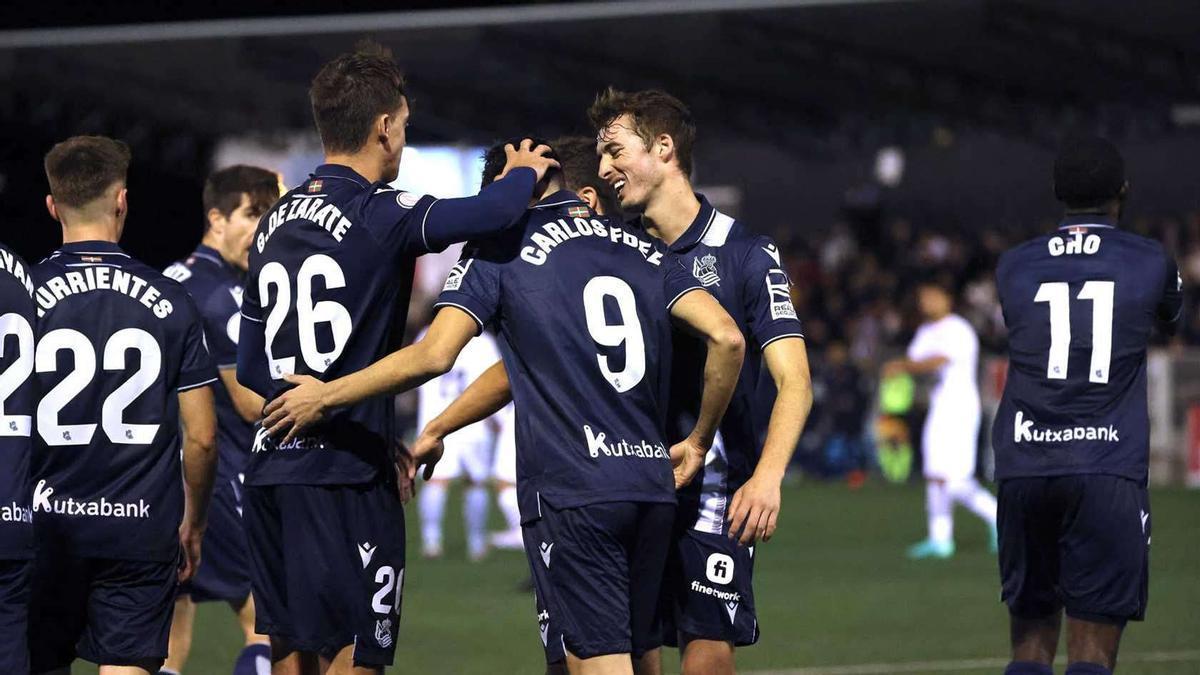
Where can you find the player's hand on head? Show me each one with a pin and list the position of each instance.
(296, 409)
(190, 537)
(528, 156)
(754, 510)
(426, 451)
(687, 456)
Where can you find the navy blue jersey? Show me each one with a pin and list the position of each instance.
(745, 274)
(1080, 304)
(327, 294)
(583, 306)
(116, 342)
(18, 397)
(216, 287)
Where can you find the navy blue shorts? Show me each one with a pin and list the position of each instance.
(707, 592)
(597, 572)
(14, 616)
(224, 572)
(327, 567)
(1079, 543)
(109, 612)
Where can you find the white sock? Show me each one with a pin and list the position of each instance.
(938, 508)
(475, 510)
(974, 496)
(510, 507)
(432, 504)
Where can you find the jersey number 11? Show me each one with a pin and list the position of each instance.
(1058, 295)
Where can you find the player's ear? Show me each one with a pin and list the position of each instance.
(664, 147)
(216, 221)
(122, 203)
(50, 207)
(589, 195)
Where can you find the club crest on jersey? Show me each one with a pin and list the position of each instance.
(704, 269)
(578, 212)
(383, 632)
(316, 185)
(455, 278)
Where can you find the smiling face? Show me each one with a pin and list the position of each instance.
(634, 170)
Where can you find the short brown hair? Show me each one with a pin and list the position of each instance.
(224, 189)
(654, 112)
(81, 168)
(350, 91)
(581, 168)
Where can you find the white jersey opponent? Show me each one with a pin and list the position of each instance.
(952, 426)
(468, 450)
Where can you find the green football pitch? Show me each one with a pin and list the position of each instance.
(835, 597)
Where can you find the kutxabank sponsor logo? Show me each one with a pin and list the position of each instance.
(1024, 431)
(16, 513)
(44, 502)
(598, 444)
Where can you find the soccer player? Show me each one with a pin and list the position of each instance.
(17, 321)
(120, 364)
(1072, 432)
(645, 143)
(946, 347)
(584, 306)
(327, 292)
(469, 453)
(234, 199)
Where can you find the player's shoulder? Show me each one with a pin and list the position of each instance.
(15, 268)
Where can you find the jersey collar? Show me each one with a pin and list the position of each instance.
(562, 198)
(699, 227)
(1087, 220)
(339, 171)
(99, 248)
(206, 252)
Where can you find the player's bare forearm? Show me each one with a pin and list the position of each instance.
(915, 367)
(246, 402)
(702, 315)
(485, 397)
(199, 421)
(787, 361)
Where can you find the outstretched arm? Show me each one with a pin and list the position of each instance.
(306, 404)
(484, 398)
(700, 314)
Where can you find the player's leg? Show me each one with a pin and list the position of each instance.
(647, 567)
(343, 664)
(968, 492)
(288, 661)
(700, 656)
(431, 500)
(180, 644)
(14, 615)
(255, 657)
(1028, 522)
(649, 663)
(606, 664)
(1105, 570)
(939, 542)
(477, 464)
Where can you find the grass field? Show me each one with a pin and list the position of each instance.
(834, 591)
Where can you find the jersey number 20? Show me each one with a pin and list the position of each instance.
(1058, 295)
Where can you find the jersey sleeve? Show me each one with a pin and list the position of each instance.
(252, 369)
(412, 225)
(473, 286)
(766, 293)
(221, 318)
(196, 369)
(1170, 306)
(676, 281)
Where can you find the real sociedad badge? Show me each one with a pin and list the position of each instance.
(704, 269)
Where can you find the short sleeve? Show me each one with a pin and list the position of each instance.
(251, 306)
(196, 368)
(676, 281)
(222, 324)
(473, 286)
(766, 294)
(397, 220)
(918, 348)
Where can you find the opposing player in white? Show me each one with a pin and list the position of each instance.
(504, 476)
(468, 456)
(946, 347)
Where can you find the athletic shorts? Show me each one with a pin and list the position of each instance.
(1079, 543)
(224, 572)
(327, 567)
(707, 592)
(597, 574)
(14, 616)
(109, 612)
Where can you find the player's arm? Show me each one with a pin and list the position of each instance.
(699, 313)
(923, 366)
(252, 372)
(495, 208)
(307, 403)
(246, 402)
(199, 421)
(485, 397)
(754, 510)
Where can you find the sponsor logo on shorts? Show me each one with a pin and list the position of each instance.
(543, 618)
(598, 444)
(16, 513)
(365, 552)
(383, 632)
(43, 501)
(719, 568)
(1024, 431)
(545, 550)
(731, 599)
(263, 442)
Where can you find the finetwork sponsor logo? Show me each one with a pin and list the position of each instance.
(731, 599)
(719, 568)
(16, 513)
(1024, 431)
(70, 506)
(598, 444)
